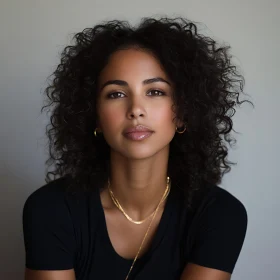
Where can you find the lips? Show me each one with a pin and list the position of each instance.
(137, 128)
(138, 132)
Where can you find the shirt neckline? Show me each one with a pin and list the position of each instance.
(162, 227)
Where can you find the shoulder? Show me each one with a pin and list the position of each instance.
(218, 214)
(219, 202)
(221, 216)
(50, 195)
(53, 201)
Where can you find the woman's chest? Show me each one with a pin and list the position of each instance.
(129, 239)
(99, 259)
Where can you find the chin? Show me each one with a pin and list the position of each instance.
(146, 152)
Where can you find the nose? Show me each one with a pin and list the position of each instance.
(136, 108)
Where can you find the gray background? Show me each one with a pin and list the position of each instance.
(32, 35)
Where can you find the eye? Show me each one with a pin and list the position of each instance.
(114, 95)
(156, 92)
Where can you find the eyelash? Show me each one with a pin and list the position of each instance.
(110, 94)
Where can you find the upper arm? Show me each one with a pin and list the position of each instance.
(49, 275)
(219, 237)
(197, 272)
(48, 230)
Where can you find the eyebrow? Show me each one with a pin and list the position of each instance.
(124, 83)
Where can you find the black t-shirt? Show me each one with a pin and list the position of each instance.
(65, 231)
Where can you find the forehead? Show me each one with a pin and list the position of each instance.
(132, 64)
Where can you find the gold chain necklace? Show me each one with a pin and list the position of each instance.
(116, 202)
(166, 192)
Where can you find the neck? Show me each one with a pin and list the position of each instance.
(139, 185)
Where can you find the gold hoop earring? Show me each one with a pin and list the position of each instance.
(95, 132)
(180, 132)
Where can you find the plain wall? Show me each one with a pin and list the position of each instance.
(33, 34)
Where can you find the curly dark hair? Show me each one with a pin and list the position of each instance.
(207, 90)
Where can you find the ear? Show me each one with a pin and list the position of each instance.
(98, 126)
(179, 123)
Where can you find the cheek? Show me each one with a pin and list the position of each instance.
(109, 118)
(164, 115)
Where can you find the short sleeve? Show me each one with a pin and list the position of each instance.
(221, 232)
(48, 231)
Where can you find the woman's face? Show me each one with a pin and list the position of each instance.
(134, 90)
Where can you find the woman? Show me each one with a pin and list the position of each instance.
(136, 136)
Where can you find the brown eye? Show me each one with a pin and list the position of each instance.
(156, 92)
(115, 95)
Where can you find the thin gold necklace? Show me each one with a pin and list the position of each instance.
(118, 205)
(166, 192)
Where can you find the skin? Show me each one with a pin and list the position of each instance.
(139, 168)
